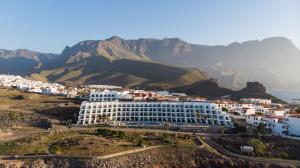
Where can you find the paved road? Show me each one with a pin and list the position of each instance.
(249, 158)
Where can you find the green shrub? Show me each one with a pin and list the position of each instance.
(55, 149)
(122, 135)
(187, 137)
(284, 155)
(14, 116)
(258, 145)
(104, 132)
(8, 146)
(225, 109)
(168, 139)
(141, 143)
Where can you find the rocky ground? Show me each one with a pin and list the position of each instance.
(21, 109)
(167, 157)
(11, 119)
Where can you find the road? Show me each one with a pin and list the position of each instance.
(249, 158)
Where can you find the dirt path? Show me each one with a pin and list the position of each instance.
(127, 152)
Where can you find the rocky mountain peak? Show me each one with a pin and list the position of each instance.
(255, 87)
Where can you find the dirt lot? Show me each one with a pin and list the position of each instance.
(89, 143)
(20, 109)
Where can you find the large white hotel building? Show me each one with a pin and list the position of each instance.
(146, 113)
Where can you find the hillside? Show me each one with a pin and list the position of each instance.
(210, 89)
(275, 59)
(123, 72)
(271, 61)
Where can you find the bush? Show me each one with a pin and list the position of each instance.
(18, 97)
(55, 149)
(104, 132)
(14, 116)
(8, 146)
(187, 137)
(258, 145)
(122, 135)
(119, 134)
(259, 113)
(261, 128)
(284, 155)
(167, 139)
(225, 109)
(45, 123)
(141, 143)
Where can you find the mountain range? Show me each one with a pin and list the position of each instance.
(82, 65)
(166, 63)
(272, 61)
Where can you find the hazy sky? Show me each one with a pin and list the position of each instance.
(50, 25)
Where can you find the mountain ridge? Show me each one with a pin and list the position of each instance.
(232, 64)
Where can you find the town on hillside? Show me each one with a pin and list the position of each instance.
(61, 119)
(146, 108)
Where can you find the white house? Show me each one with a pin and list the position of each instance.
(293, 124)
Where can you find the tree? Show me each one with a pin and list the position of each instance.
(69, 123)
(168, 125)
(225, 109)
(187, 137)
(259, 113)
(297, 110)
(259, 146)
(140, 143)
(261, 129)
(103, 118)
(122, 135)
(197, 115)
(56, 149)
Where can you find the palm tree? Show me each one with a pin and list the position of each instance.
(198, 115)
(167, 125)
(205, 118)
(103, 118)
(100, 118)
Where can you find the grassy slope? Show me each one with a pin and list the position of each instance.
(124, 72)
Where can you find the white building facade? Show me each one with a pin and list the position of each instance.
(292, 125)
(256, 101)
(140, 113)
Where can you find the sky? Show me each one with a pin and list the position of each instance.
(50, 25)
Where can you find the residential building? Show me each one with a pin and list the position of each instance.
(135, 112)
(257, 101)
